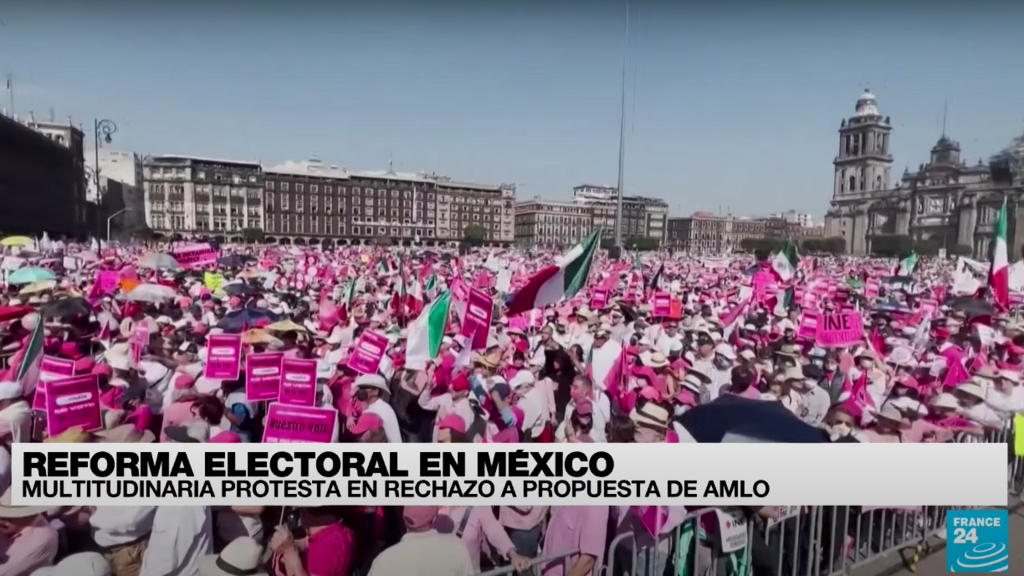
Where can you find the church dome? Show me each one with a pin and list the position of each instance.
(867, 104)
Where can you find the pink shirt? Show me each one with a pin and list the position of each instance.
(34, 547)
(330, 551)
(521, 517)
(582, 528)
(176, 414)
(480, 524)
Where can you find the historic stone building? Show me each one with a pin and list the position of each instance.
(945, 200)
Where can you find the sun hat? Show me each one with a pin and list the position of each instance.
(654, 359)
(8, 510)
(972, 389)
(241, 556)
(945, 400)
(651, 415)
(890, 412)
(371, 381)
(725, 350)
(699, 371)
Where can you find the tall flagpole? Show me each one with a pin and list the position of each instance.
(10, 90)
(622, 138)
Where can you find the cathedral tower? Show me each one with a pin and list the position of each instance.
(863, 163)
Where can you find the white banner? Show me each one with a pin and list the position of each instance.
(524, 474)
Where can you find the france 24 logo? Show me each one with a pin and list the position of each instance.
(976, 541)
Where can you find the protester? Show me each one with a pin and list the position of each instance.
(579, 369)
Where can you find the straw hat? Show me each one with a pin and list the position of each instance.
(241, 556)
(945, 400)
(972, 389)
(654, 359)
(70, 436)
(8, 510)
(651, 415)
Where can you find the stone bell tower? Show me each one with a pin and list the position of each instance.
(864, 162)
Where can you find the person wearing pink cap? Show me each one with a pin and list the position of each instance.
(424, 551)
(454, 401)
(451, 429)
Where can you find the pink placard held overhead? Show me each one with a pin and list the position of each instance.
(598, 298)
(662, 304)
(760, 283)
(298, 382)
(366, 353)
(73, 403)
(195, 255)
(839, 329)
(50, 369)
(477, 320)
(808, 328)
(223, 356)
(263, 376)
(139, 341)
(291, 424)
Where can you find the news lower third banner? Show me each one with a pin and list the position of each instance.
(503, 474)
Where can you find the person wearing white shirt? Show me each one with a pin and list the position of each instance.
(370, 389)
(603, 356)
(423, 551)
(123, 534)
(583, 389)
(1005, 396)
(181, 536)
(814, 401)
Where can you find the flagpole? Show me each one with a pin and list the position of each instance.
(622, 138)
(10, 91)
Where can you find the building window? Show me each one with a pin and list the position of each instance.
(328, 189)
(355, 230)
(284, 186)
(355, 190)
(299, 187)
(312, 189)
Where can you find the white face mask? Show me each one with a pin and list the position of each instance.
(840, 430)
(679, 410)
(831, 367)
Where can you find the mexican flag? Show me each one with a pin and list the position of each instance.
(385, 267)
(785, 261)
(426, 332)
(32, 362)
(563, 280)
(655, 283)
(907, 265)
(999, 273)
(783, 301)
(349, 293)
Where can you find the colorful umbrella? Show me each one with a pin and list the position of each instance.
(30, 275)
(16, 241)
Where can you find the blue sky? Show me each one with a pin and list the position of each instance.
(734, 107)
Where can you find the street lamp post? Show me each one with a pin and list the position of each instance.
(104, 129)
(111, 218)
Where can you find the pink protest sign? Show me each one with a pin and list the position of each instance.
(139, 340)
(73, 403)
(263, 376)
(598, 298)
(367, 352)
(298, 382)
(223, 356)
(662, 304)
(477, 319)
(195, 255)
(760, 283)
(808, 328)
(291, 424)
(50, 369)
(839, 329)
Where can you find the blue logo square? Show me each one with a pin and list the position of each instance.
(977, 540)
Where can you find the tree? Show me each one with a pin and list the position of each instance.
(833, 245)
(252, 235)
(641, 243)
(474, 235)
(961, 250)
(891, 245)
(928, 247)
(607, 243)
(761, 244)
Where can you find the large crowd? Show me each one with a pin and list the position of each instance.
(624, 355)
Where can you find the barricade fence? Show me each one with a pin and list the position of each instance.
(785, 541)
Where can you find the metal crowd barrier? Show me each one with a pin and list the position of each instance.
(538, 565)
(802, 541)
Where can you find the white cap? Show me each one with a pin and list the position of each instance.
(725, 350)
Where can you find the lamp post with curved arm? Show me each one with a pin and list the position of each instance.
(104, 129)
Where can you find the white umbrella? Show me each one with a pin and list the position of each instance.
(154, 293)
